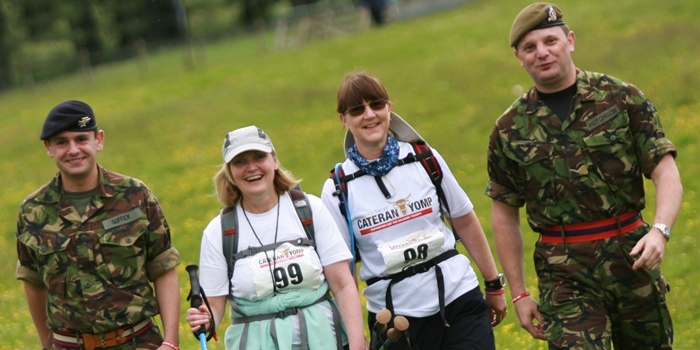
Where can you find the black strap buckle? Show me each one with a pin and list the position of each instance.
(418, 268)
(288, 312)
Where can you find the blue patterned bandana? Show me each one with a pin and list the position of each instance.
(378, 167)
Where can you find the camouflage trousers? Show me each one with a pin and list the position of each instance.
(149, 340)
(591, 297)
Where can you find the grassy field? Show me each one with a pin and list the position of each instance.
(449, 74)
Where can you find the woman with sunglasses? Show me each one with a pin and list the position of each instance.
(279, 280)
(392, 214)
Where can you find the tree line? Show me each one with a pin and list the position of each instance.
(59, 35)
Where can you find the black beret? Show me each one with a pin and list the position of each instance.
(536, 16)
(69, 116)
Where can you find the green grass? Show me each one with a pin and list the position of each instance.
(449, 74)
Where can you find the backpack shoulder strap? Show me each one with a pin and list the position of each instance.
(424, 154)
(341, 191)
(341, 187)
(301, 204)
(229, 233)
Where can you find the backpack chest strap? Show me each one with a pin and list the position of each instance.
(250, 251)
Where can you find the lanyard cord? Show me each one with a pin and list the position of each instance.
(274, 253)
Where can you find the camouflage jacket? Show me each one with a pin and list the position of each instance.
(96, 267)
(588, 166)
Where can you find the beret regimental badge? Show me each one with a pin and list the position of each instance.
(83, 122)
(552, 14)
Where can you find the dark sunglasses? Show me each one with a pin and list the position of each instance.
(358, 110)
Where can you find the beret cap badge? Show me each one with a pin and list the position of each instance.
(552, 14)
(83, 122)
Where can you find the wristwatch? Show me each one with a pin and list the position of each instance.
(665, 230)
(495, 284)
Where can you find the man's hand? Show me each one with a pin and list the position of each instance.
(527, 311)
(652, 247)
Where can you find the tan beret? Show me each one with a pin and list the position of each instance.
(536, 16)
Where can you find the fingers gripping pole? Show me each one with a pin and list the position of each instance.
(195, 298)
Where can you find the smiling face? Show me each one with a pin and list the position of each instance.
(546, 56)
(253, 172)
(75, 155)
(371, 128)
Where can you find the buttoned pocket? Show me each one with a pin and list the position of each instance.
(123, 247)
(536, 167)
(52, 257)
(612, 158)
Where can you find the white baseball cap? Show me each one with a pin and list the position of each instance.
(249, 138)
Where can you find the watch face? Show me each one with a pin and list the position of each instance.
(500, 280)
(665, 230)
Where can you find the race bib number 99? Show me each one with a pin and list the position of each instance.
(288, 268)
(411, 249)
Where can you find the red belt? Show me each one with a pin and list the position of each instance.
(89, 341)
(592, 231)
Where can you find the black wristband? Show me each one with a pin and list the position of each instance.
(495, 284)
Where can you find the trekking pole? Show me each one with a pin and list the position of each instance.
(195, 302)
(392, 336)
(395, 333)
(382, 318)
(401, 323)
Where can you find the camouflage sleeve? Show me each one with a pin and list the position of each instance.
(26, 264)
(23, 273)
(502, 185)
(650, 139)
(162, 256)
(167, 260)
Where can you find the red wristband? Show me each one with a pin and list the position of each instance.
(495, 292)
(520, 296)
(169, 344)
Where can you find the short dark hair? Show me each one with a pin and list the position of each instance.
(359, 87)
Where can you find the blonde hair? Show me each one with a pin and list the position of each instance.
(229, 194)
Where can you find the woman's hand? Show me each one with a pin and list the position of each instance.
(497, 307)
(198, 318)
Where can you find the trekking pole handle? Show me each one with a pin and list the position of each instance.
(196, 296)
(195, 292)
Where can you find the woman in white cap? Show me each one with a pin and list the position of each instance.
(390, 209)
(279, 270)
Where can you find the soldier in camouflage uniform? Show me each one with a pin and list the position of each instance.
(90, 242)
(573, 150)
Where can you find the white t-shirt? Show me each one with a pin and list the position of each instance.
(410, 219)
(212, 264)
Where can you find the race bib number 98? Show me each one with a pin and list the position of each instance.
(288, 268)
(411, 249)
